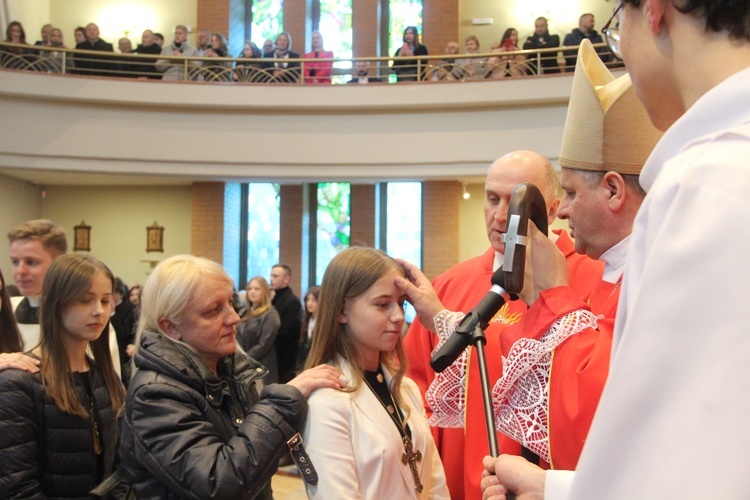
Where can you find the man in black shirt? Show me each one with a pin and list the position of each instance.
(89, 64)
(541, 39)
(585, 31)
(289, 308)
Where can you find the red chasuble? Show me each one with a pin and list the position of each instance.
(460, 289)
(577, 370)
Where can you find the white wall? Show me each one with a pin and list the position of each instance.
(33, 14)
(520, 14)
(236, 132)
(118, 217)
(117, 18)
(19, 201)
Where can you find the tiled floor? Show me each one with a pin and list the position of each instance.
(288, 486)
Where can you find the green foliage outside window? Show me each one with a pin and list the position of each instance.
(333, 222)
(268, 20)
(336, 28)
(263, 228)
(403, 13)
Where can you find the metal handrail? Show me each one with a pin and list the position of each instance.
(260, 70)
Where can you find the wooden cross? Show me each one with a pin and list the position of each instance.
(512, 239)
(412, 458)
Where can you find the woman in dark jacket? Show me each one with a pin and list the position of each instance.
(256, 334)
(282, 71)
(248, 70)
(219, 66)
(406, 67)
(15, 57)
(58, 427)
(195, 425)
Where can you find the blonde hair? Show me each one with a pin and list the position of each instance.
(171, 286)
(350, 274)
(265, 301)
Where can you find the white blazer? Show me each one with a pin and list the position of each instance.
(356, 448)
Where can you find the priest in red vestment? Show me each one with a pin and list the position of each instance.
(461, 434)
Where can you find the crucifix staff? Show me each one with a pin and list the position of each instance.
(526, 203)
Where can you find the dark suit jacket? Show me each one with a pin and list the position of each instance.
(574, 38)
(145, 67)
(289, 308)
(291, 72)
(406, 67)
(91, 64)
(549, 60)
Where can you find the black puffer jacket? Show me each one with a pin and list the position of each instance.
(190, 434)
(45, 452)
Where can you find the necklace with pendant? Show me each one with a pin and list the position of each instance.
(409, 457)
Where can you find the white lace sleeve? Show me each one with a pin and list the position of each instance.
(520, 396)
(446, 395)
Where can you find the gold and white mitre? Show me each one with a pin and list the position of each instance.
(607, 128)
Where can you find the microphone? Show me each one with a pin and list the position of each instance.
(526, 203)
(479, 316)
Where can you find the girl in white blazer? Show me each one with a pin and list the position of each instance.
(356, 438)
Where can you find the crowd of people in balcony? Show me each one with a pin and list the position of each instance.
(277, 62)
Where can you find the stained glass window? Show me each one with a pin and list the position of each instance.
(263, 234)
(233, 216)
(238, 10)
(268, 20)
(404, 226)
(404, 221)
(402, 13)
(336, 28)
(333, 223)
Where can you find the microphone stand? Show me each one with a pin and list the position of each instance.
(478, 340)
(526, 203)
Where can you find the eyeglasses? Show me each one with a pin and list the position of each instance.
(612, 35)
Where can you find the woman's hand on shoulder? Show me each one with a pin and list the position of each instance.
(19, 361)
(319, 377)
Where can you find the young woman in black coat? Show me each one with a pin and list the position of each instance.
(58, 427)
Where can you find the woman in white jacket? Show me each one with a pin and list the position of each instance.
(369, 440)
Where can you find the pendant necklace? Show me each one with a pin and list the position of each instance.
(409, 456)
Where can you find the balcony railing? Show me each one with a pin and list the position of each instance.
(436, 68)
